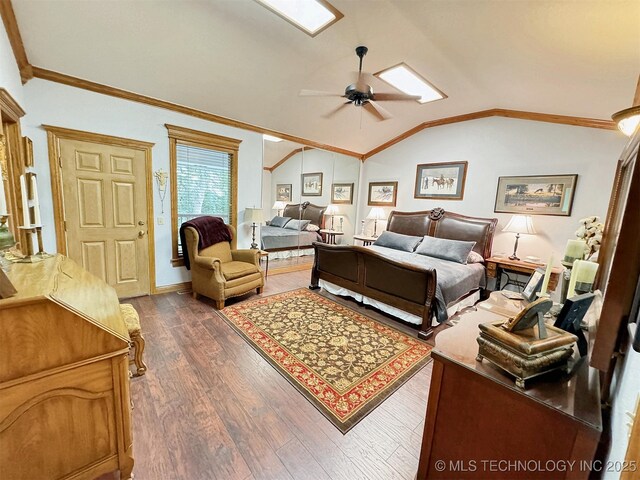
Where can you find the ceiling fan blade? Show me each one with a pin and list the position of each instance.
(317, 93)
(381, 112)
(336, 110)
(395, 96)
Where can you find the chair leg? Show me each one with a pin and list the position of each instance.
(138, 344)
(259, 290)
(194, 295)
(219, 304)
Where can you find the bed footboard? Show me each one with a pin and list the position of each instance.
(401, 285)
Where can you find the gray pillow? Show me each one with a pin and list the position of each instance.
(397, 241)
(453, 250)
(297, 224)
(279, 221)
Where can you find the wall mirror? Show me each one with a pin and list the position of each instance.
(314, 188)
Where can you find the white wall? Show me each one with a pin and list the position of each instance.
(63, 106)
(9, 73)
(498, 147)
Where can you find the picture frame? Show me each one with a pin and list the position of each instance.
(441, 181)
(536, 194)
(283, 192)
(342, 193)
(534, 285)
(312, 184)
(382, 194)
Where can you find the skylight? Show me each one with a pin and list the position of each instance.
(310, 16)
(407, 80)
(271, 138)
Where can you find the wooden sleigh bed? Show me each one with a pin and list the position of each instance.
(401, 285)
(275, 239)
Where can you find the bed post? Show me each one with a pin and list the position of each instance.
(314, 271)
(426, 330)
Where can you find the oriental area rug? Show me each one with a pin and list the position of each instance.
(343, 362)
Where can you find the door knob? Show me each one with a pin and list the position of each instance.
(140, 223)
(141, 233)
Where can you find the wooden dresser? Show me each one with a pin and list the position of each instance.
(480, 425)
(64, 384)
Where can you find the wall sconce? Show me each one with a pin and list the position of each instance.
(161, 180)
(627, 120)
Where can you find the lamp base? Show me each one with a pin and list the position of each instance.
(254, 245)
(513, 257)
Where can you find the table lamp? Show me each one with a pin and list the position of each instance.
(253, 215)
(519, 224)
(332, 211)
(376, 213)
(279, 207)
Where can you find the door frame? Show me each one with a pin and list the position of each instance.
(54, 134)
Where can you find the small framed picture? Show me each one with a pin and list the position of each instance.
(312, 184)
(442, 181)
(383, 194)
(536, 195)
(534, 285)
(283, 192)
(342, 193)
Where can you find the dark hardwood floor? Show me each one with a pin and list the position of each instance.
(210, 407)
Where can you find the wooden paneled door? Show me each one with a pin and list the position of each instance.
(105, 210)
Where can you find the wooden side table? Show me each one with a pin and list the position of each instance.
(365, 239)
(330, 235)
(497, 266)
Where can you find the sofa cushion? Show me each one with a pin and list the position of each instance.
(233, 270)
(446, 249)
(397, 241)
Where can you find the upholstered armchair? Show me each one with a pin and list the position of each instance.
(221, 271)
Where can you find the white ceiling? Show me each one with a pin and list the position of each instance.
(237, 59)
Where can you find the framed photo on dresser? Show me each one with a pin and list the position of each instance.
(441, 181)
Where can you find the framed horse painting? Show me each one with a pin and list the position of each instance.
(442, 181)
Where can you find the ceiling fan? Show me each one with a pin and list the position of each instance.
(361, 94)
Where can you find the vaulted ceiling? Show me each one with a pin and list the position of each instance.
(237, 59)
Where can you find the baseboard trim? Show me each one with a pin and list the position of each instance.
(171, 288)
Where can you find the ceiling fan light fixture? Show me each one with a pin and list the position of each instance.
(627, 120)
(407, 80)
(310, 16)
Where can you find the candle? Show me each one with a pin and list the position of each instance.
(574, 250)
(585, 275)
(36, 203)
(547, 276)
(3, 200)
(26, 220)
(571, 291)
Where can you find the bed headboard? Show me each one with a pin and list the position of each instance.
(441, 224)
(311, 212)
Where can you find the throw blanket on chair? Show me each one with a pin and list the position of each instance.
(211, 230)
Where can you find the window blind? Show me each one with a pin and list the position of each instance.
(203, 183)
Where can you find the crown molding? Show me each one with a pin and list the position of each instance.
(15, 39)
(64, 79)
(9, 106)
(285, 158)
(497, 112)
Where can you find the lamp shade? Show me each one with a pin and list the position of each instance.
(253, 215)
(627, 120)
(331, 210)
(520, 224)
(376, 213)
(279, 205)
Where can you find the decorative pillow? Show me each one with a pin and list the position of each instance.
(312, 228)
(397, 241)
(279, 221)
(297, 224)
(446, 249)
(475, 257)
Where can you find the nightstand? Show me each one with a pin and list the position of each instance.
(364, 239)
(330, 235)
(497, 266)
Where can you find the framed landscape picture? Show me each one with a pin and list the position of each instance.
(536, 195)
(312, 184)
(342, 193)
(442, 181)
(283, 192)
(383, 194)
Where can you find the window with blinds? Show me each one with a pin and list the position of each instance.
(204, 183)
(203, 170)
